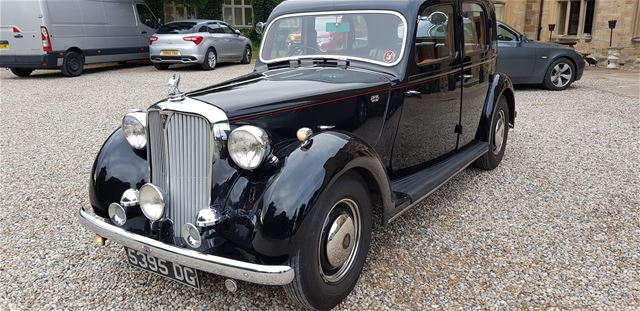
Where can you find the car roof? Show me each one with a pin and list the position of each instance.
(408, 8)
(197, 21)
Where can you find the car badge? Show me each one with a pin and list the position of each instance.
(174, 91)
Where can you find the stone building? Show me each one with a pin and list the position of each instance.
(238, 13)
(584, 22)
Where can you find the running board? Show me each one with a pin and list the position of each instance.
(419, 185)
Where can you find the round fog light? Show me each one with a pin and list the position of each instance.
(151, 201)
(117, 214)
(191, 235)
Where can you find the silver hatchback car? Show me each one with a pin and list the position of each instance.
(204, 42)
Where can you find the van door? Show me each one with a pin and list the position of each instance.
(147, 23)
(431, 109)
(20, 23)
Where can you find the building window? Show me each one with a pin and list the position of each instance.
(499, 6)
(238, 12)
(575, 17)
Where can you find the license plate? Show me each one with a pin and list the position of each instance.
(4, 46)
(174, 271)
(170, 53)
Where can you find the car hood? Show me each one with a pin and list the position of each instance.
(284, 89)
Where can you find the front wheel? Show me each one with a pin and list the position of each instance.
(21, 72)
(336, 237)
(560, 75)
(498, 139)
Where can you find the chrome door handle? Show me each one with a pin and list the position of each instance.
(413, 93)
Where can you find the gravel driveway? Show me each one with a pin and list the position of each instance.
(556, 225)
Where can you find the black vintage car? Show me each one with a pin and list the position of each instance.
(278, 177)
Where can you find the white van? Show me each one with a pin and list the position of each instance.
(67, 34)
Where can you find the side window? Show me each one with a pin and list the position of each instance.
(226, 29)
(434, 36)
(505, 34)
(145, 15)
(214, 28)
(203, 29)
(474, 25)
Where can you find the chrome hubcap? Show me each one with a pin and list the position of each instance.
(498, 134)
(339, 240)
(561, 74)
(211, 57)
(248, 54)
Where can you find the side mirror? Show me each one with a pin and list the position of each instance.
(237, 32)
(159, 23)
(260, 27)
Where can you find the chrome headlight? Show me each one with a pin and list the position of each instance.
(248, 146)
(151, 202)
(134, 126)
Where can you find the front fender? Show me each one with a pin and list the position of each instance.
(117, 168)
(304, 174)
(500, 85)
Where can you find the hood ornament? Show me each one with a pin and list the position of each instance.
(174, 91)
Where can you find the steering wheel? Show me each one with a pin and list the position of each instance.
(300, 50)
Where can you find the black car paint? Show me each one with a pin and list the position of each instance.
(363, 106)
(526, 61)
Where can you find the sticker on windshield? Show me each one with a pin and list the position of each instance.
(389, 56)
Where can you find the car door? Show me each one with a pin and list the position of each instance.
(431, 108)
(478, 55)
(515, 57)
(236, 49)
(218, 39)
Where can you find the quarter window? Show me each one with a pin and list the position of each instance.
(434, 36)
(474, 23)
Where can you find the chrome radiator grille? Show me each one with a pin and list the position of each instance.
(180, 159)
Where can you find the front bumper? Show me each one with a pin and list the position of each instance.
(235, 269)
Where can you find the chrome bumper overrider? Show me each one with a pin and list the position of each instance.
(235, 269)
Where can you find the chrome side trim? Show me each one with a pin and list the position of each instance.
(235, 269)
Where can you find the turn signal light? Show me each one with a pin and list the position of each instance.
(46, 39)
(194, 39)
(152, 39)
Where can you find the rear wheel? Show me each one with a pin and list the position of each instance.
(337, 234)
(210, 60)
(498, 141)
(21, 72)
(73, 64)
(161, 66)
(246, 58)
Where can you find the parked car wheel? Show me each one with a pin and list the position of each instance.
(73, 64)
(499, 134)
(246, 59)
(560, 75)
(328, 266)
(161, 66)
(210, 60)
(21, 72)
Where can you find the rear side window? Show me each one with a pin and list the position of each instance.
(145, 15)
(474, 22)
(176, 28)
(434, 36)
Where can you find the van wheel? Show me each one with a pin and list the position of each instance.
(161, 66)
(498, 138)
(336, 237)
(21, 72)
(246, 57)
(73, 64)
(210, 60)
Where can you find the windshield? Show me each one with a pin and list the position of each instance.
(372, 36)
(176, 28)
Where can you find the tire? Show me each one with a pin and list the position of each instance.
(320, 284)
(497, 147)
(161, 66)
(560, 74)
(210, 60)
(73, 64)
(246, 56)
(21, 72)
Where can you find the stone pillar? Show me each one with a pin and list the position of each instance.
(613, 57)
